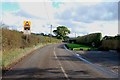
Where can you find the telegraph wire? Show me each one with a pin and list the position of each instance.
(48, 17)
(46, 11)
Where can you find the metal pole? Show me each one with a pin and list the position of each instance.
(75, 34)
(51, 33)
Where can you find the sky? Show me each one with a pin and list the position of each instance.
(80, 17)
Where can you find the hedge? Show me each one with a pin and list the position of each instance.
(111, 43)
(89, 39)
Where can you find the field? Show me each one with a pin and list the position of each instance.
(79, 47)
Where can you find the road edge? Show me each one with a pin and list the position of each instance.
(105, 71)
(11, 65)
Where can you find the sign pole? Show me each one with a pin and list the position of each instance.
(27, 31)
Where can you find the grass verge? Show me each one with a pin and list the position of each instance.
(12, 56)
(79, 47)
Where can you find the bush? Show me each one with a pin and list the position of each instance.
(12, 39)
(110, 44)
(90, 39)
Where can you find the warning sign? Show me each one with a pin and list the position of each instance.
(27, 25)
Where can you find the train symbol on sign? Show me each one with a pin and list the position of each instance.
(27, 25)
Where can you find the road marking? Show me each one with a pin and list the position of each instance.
(101, 69)
(61, 65)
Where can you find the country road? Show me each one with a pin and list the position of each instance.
(53, 62)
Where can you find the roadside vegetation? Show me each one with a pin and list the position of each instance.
(79, 47)
(103, 51)
(86, 42)
(61, 32)
(110, 43)
(15, 45)
(94, 41)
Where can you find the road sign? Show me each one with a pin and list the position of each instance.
(27, 25)
(26, 32)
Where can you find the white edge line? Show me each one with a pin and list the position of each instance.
(86, 61)
(61, 66)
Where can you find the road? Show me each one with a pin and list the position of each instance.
(53, 62)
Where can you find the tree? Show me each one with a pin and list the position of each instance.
(50, 35)
(66, 38)
(61, 32)
(42, 34)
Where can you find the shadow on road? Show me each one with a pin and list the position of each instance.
(33, 74)
(61, 46)
(68, 58)
(47, 74)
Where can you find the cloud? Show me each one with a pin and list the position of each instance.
(22, 13)
(84, 19)
(35, 13)
(80, 18)
(16, 22)
(62, 0)
(39, 9)
(82, 13)
(65, 23)
(105, 27)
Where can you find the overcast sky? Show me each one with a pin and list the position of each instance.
(80, 17)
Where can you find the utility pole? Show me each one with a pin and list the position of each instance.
(75, 34)
(50, 33)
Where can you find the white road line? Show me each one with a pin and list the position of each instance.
(61, 66)
(101, 69)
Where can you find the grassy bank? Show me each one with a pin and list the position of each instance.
(79, 47)
(13, 55)
(15, 45)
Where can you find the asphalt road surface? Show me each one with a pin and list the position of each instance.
(54, 62)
